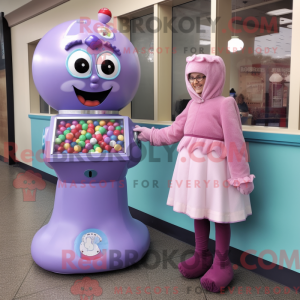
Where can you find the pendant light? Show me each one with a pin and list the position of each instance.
(235, 44)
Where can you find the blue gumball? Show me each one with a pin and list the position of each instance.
(105, 151)
(96, 123)
(69, 128)
(65, 151)
(73, 144)
(113, 137)
(120, 143)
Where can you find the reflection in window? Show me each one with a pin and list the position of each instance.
(45, 108)
(191, 35)
(141, 36)
(260, 73)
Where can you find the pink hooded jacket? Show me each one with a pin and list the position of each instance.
(210, 122)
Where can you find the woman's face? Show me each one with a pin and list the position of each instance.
(197, 81)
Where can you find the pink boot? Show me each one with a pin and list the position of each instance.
(221, 273)
(198, 265)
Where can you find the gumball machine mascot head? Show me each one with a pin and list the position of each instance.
(80, 70)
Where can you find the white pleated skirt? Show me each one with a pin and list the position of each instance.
(200, 189)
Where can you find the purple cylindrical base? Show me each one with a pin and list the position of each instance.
(88, 219)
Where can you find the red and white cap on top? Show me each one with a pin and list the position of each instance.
(104, 15)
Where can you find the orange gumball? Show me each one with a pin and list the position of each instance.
(70, 136)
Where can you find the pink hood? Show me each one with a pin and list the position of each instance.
(213, 68)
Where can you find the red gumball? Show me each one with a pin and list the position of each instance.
(74, 130)
(87, 141)
(68, 125)
(74, 139)
(108, 148)
(99, 137)
(85, 150)
(122, 131)
(62, 144)
(60, 149)
(116, 132)
(94, 135)
(69, 136)
(77, 135)
(90, 130)
(91, 125)
(70, 150)
(110, 124)
(78, 127)
(102, 145)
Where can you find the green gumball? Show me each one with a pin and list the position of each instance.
(62, 137)
(85, 126)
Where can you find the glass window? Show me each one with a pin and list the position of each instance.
(260, 72)
(191, 35)
(141, 36)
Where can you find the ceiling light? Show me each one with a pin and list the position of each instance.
(285, 21)
(235, 44)
(279, 12)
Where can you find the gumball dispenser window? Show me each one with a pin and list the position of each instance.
(80, 70)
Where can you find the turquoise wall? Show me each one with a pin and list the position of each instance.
(275, 161)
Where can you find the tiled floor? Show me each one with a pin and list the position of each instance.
(22, 279)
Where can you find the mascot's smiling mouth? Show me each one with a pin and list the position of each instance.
(91, 99)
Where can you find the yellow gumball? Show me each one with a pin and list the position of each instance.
(117, 147)
(77, 141)
(77, 148)
(67, 146)
(98, 149)
(121, 137)
(83, 132)
(102, 123)
(97, 128)
(89, 121)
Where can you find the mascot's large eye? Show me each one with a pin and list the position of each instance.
(79, 64)
(108, 65)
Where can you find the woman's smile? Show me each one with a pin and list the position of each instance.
(197, 81)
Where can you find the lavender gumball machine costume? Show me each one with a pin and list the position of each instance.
(79, 70)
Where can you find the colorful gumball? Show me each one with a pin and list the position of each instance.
(77, 135)
(110, 133)
(117, 132)
(118, 128)
(73, 144)
(98, 149)
(74, 139)
(94, 135)
(66, 131)
(112, 120)
(74, 122)
(62, 123)
(105, 151)
(116, 124)
(114, 137)
(78, 141)
(107, 140)
(99, 137)
(102, 144)
(88, 135)
(70, 150)
(85, 150)
(91, 130)
(78, 127)
(93, 141)
(81, 122)
(68, 141)
(74, 130)
(83, 132)
(112, 143)
(56, 147)
(91, 125)
(88, 146)
(81, 144)
(62, 144)
(82, 137)
(91, 151)
(107, 147)
(67, 145)
(57, 141)
(113, 151)
(89, 122)
(110, 123)
(120, 137)
(96, 123)
(96, 146)
(77, 148)
(102, 123)
(58, 132)
(70, 136)
(122, 131)
(117, 147)
(87, 141)
(85, 126)
(102, 130)
(62, 128)
(111, 128)
(65, 151)
(68, 125)
(60, 149)
(105, 127)
(97, 128)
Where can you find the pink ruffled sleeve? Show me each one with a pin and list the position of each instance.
(237, 155)
(171, 134)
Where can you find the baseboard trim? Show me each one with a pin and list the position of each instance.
(282, 275)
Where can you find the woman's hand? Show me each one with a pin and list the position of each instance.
(144, 133)
(245, 188)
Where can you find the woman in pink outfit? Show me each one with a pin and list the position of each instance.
(211, 179)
